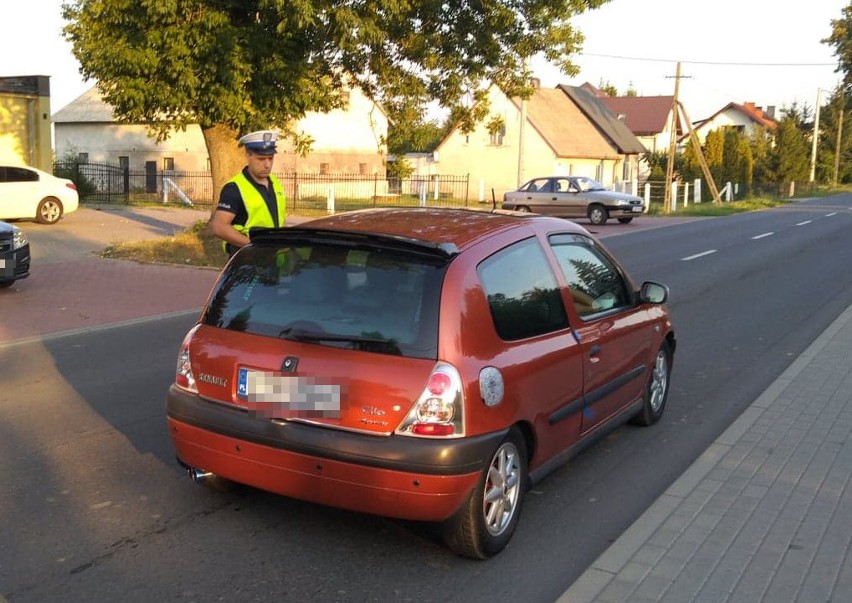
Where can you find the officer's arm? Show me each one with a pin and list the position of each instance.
(221, 226)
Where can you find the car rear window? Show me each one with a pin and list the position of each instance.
(363, 298)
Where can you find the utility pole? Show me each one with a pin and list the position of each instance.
(711, 184)
(815, 137)
(839, 134)
(667, 199)
(522, 127)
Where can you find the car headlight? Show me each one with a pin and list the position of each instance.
(19, 239)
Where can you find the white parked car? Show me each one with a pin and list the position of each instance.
(26, 192)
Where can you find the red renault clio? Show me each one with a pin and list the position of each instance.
(417, 363)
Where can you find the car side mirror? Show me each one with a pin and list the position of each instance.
(653, 293)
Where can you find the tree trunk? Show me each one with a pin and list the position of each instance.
(226, 158)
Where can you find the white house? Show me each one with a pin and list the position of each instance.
(351, 140)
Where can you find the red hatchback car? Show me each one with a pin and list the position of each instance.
(423, 364)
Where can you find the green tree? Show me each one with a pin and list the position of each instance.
(409, 131)
(237, 66)
(607, 88)
(841, 40)
(714, 154)
(831, 126)
(790, 156)
(763, 173)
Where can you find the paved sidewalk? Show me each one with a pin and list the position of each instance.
(764, 515)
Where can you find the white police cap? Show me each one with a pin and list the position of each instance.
(261, 142)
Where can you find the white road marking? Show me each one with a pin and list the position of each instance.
(805, 222)
(698, 255)
(834, 213)
(762, 236)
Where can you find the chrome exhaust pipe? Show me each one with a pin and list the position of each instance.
(199, 476)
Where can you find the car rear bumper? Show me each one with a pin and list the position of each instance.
(393, 476)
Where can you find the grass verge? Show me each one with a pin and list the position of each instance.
(192, 247)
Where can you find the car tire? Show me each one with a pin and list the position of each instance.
(49, 211)
(6, 284)
(486, 522)
(657, 390)
(523, 208)
(625, 220)
(598, 214)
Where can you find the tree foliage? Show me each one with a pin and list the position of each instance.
(790, 156)
(841, 40)
(237, 66)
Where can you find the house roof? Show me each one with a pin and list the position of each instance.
(644, 115)
(609, 125)
(750, 110)
(562, 125)
(88, 107)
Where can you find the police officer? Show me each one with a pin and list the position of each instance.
(253, 198)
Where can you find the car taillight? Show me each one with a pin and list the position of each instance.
(71, 185)
(183, 375)
(439, 411)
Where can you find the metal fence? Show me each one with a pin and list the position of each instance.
(105, 183)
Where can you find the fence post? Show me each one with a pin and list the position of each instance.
(729, 191)
(647, 196)
(423, 187)
(674, 196)
(685, 195)
(696, 186)
(330, 201)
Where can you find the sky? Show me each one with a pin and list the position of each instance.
(759, 51)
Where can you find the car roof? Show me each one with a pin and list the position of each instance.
(440, 226)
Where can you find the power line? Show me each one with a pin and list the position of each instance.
(720, 63)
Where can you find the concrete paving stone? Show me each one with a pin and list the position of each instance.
(666, 568)
(649, 555)
(652, 588)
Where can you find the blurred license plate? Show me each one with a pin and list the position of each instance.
(637, 209)
(275, 395)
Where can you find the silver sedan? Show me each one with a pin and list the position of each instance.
(574, 197)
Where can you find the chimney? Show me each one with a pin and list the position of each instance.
(535, 82)
(770, 112)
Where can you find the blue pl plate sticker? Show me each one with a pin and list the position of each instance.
(242, 383)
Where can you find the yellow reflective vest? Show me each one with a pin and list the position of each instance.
(259, 215)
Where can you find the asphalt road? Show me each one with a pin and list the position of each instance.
(95, 508)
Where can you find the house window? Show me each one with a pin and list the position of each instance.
(168, 163)
(83, 157)
(362, 168)
(123, 162)
(498, 136)
(323, 169)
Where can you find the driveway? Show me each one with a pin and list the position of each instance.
(70, 288)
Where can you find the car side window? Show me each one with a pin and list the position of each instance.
(563, 185)
(522, 291)
(14, 174)
(596, 285)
